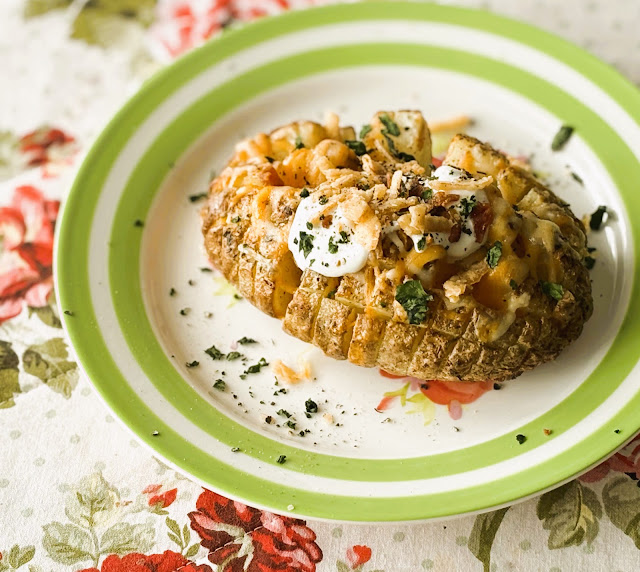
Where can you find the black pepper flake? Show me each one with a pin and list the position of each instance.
(304, 193)
(595, 222)
(282, 459)
(497, 386)
(191, 283)
(68, 313)
(198, 197)
(184, 311)
(235, 449)
(138, 223)
(616, 431)
(270, 159)
(172, 292)
(268, 419)
(520, 438)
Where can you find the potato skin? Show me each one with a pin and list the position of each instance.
(246, 221)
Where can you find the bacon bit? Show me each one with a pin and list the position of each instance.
(547, 432)
(481, 215)
(328, 418)
(284, 373)
(437, 162)
(456, 232)
(326, 221)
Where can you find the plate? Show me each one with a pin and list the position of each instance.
(130, 234)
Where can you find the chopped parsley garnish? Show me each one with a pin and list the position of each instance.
(467, 205)
(290, 424)
(220, 385)
(383, 304)
(284, 413)
(191, 283)
(589, 262)
(358, 147)
(270, 159)
(205, 269)
(323, 200)
(193, 363)
(422, 243)
(235, 219)
(245, 341)
(366, 128)
(256, 367)
(595, 222)
(304, 193)
(513, 284)
(309, 226)
(426, 194)
(553, 290)
(331, 295)
(562, 136)
(311, 406)
(282, 459)
(577, 178)
(231, 356)
(214, 353)
(390, 124)
(198, 197)
(306, 243)
(299, 143)
(392, 149)
(333, 247)
(344, 237)
(520, 438)
(413, 298)
(138, 223)
(494, 254)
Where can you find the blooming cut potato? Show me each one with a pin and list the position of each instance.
(472, 271)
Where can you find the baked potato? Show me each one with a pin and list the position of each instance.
(471, 271)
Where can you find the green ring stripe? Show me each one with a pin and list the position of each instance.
(75, 285)
(142, 186)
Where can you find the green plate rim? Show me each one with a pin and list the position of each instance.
(84, 323)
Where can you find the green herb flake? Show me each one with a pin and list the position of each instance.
(331, 295)
(304, 193)
(467, 205)
(520, 438)
(197, 197)
(364, 130)
(421, 243)
(309, 226)
(577, 177)
(390, 125)
(323, 200)
(235, 219)
(426, 194)
(561, 137)
(270, 159)
(589, 262)
(244, 341)
(333, 247)
(311, 406)
(205, 269)
(68, 313)
(299, 143)
(220, 385)
(413, 298)
(291, 424)
(344, 237)
(235, 449)
(305, 244)
(256, 367)
(231, 356)
(214, 353)
(595, 222)
(494, 254)
(283, 413)
(193, 363)
(358, 147)
(513, 284)
(281, 460)
(553, 290)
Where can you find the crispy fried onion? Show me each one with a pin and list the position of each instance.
(458, 284)
(461, 184)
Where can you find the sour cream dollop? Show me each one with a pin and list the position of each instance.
(329, 250)
(467, 244)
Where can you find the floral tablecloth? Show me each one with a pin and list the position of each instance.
(76, 491)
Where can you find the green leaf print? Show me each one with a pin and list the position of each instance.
(48, 363)
(9, 384)
(18, 557)
(67, 543)
(621, 499)
(342, 566)
(49, 314)
(123, 538)
(94, 502)
(570, 514)
(483, 534)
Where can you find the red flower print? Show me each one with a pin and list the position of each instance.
(358, 555)
(164, 499)
(627, 460)
(241, 538)
(44, 144)
(25, 263)
(185, 24)
(168, 561)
